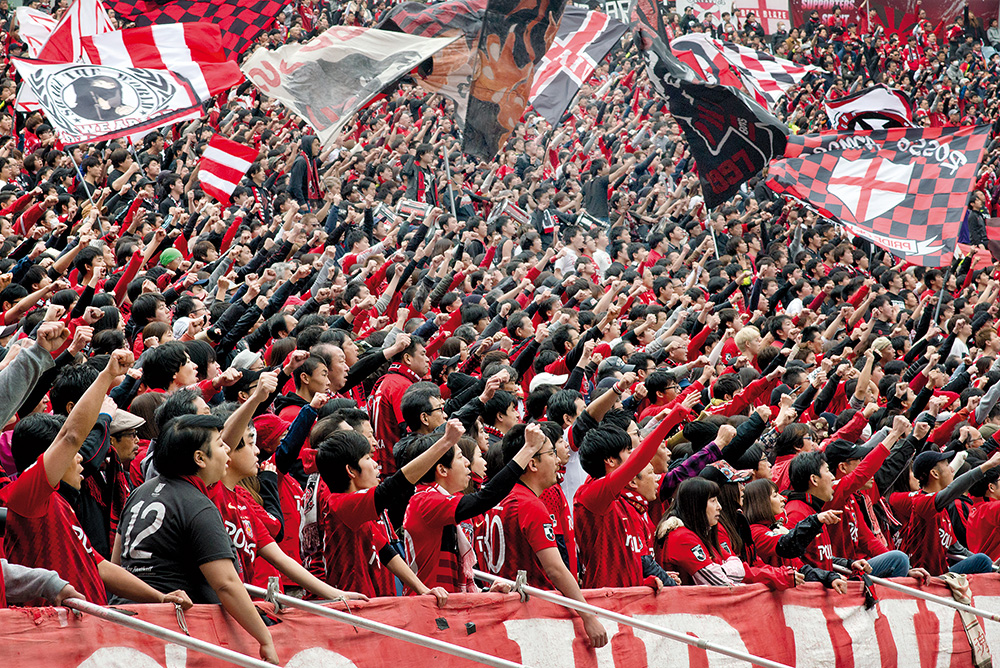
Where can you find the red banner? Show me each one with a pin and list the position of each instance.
(808, 626)
(897, 16)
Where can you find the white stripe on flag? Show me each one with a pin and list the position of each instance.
(211, 179)
(228, 159)
(111, 50)
(174, 52)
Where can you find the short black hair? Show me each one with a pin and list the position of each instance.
(803, 467)
(605, 442)
(162, 364)
(179, 439)
(70, 385)
(32, 435)
(341, 449)
(561, 404)
(177, 404)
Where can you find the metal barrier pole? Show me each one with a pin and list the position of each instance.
(175, 637)
(635, 623)
(386, 630)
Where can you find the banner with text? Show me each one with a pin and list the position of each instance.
(807, 626)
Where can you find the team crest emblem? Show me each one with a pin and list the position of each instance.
(698, 553)
(550, 532)
(870, 187)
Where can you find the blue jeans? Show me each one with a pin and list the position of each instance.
(892, 564)
(977, 563)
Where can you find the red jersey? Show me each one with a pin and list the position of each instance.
(928, 534)
(513, 532)
(612, 531)
(44, 532)
(387, 415)
(853, 539)
(685, 553)
(983, 529)
(765, 543)
(432, 540)
(352, 539)
(243, 524)
(555, 500)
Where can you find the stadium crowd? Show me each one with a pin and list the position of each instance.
(307, 384)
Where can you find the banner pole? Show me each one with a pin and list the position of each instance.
(944, 288)
(385, 629)
(916, 593)
(79, 173)
(194, 644)
(635, 623)
(451, 193)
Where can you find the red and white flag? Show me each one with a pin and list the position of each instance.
(83, 19)
(34, 27)
(223, 164)
(192, 50)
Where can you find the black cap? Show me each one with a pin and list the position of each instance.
(926, 461)
(843, 451)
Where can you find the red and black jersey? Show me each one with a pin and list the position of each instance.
(432, 541)
(983, 529)
(511, 535)
(243, 524)
(555, 500)
(927, 534)
(352, 539)
(44, 532)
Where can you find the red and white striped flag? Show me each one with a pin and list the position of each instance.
(34, 28)
(223, 164)
(192, 50)
(82, 19)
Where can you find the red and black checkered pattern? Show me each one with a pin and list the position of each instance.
(904, 189)
(241, 21)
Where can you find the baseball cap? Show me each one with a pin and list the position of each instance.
(615, 363)
(245, 359)
(843, 451)
(926, 461)
(123, 421)
(881, 343)
(722, 473)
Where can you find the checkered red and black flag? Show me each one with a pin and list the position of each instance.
(241, 21)
(904, 189)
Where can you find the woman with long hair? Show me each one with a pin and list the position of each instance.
(692, 542)
(774, 544)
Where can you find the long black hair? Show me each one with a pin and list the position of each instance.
(691, 507)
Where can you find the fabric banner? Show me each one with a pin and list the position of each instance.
(904, 189)
(223, 165)
(241, 21)
(93, 102)
(876, 108)
(516, 36)
(765, 76)
(193, 50)
(34, 28)
(329, 78)
(896, 16)
(769, 12)
(807, 626)
(731, 138)
(584, 38)
(451, 71)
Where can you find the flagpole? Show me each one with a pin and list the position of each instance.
(79, 173)
(451, 192)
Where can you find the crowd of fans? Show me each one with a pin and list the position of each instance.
(362, 378)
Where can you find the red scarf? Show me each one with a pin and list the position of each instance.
(404, 370)
(197, 482)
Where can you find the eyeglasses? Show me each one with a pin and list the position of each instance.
(434, 410)
(545, 452)
(127, 434)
